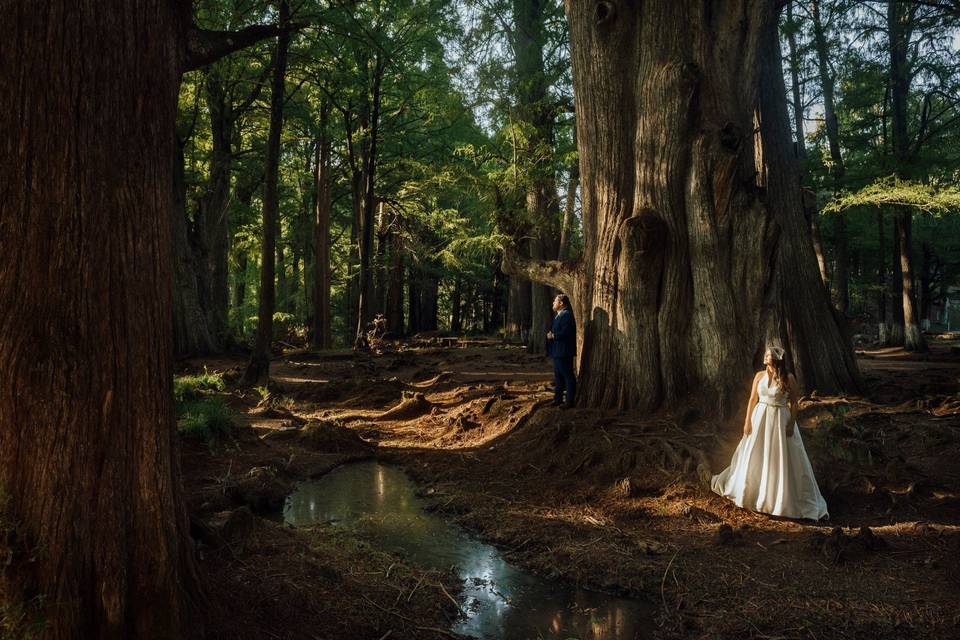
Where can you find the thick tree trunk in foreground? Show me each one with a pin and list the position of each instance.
(259, 368)
(691, 265)
(87, 438)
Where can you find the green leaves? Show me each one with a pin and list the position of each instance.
(937, 200)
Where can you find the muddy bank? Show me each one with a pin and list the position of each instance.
(615, 501)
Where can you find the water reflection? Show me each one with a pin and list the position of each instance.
(500, 600)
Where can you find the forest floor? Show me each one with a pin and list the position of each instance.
(608, 500)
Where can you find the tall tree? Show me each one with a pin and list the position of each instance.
(685, 209)
(322, 201)
(87, 457)
(837, 168)
(258, 370)
(900, 17)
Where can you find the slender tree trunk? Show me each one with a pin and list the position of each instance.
(356, 200)
(456, 322)
(690, 266)
(882, 333)
(837, 169)
(569, 210)
(518, 309)
(283, 297)
(216, 204)
(809, 198)
(414, 297)
(366, 306)
(899, 28)
(258, 371)
(394, 312)
(191, 333)
(322, 337)
(534, 109)
(95, 528)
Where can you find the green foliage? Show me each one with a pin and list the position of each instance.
(207, 419)
(188, 388)
(849, 442)
(891, 192)
(201, 414)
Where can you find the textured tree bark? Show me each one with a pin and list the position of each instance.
(900, 16)
(691, 264)
(841, 272)
(322, 337)
(88, 467)
(518, 309)
(569, 211)
(258, 370)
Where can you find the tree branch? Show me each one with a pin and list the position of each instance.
(205, 46)
(553, 273)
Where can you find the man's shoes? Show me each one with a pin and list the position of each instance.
(565, 406)
(556, 403)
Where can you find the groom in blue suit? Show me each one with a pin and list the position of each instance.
(562, 347)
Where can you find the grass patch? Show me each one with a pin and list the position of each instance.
(201, 414)
(187, 388)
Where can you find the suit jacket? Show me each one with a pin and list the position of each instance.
(564, 329)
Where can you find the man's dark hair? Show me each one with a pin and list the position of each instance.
(564, 299)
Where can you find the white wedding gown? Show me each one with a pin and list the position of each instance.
(770, 472)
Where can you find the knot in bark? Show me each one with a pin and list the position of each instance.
(644, 233)
(605, 12)
(731, 138)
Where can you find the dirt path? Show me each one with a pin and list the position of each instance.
(613, 500)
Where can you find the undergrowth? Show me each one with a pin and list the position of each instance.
(848, 441)
(201, 414)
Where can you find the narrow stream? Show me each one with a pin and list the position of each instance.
(501, 601)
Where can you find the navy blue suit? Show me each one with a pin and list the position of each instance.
(563, 348)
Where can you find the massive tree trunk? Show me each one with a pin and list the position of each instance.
(881, 282)
(518, 308)
(900, 17)
(95, 529)
(322, 336)
(837, 169)
(258, 369)
(691, 264)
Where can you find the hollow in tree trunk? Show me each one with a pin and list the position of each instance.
(696, 251)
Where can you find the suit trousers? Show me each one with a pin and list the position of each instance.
(564, 381)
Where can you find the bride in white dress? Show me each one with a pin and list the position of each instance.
(770, 471)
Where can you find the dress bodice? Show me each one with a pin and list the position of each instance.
(770, 394)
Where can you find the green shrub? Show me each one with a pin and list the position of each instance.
(206, 419)
(201, 415)
(187, 388)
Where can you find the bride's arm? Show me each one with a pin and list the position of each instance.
(747, 426)
(794, 404)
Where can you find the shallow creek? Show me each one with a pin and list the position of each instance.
(499, 600)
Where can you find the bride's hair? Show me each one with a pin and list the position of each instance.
(779, 363)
